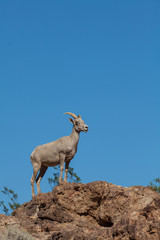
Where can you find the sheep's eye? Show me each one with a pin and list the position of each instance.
(77, 123)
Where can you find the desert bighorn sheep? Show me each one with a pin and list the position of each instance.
(57, 152)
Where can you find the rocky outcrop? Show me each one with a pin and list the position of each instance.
(97, 210)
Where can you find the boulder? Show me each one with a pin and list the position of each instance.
(93, 211)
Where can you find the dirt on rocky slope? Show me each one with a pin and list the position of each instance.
(93, 211)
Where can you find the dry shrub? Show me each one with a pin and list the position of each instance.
(14, 233)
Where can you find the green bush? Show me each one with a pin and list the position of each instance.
(13, 204)
(155, 185)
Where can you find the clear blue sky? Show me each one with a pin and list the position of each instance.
(100, 59)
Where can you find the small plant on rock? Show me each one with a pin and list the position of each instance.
(72, 177)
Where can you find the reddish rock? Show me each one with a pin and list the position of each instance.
(93, 211)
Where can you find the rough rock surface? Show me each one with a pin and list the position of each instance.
(93, 211)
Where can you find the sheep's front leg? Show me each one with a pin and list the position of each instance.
(62, 159)
(66, 171)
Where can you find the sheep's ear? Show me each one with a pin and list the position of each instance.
(71, 120)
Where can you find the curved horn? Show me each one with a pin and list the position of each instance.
(72, 114)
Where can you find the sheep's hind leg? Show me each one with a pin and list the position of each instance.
(36, 168)
(43, 169)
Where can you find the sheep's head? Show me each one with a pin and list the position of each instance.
(78, 123)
